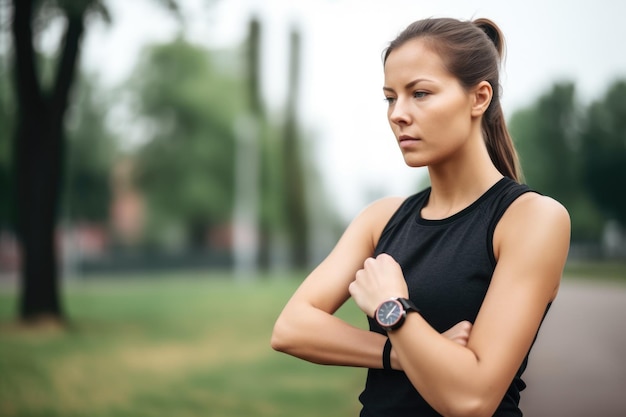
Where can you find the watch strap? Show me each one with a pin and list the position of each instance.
(387, 355)
(408, 305)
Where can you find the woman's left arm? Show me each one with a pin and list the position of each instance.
(531, 243)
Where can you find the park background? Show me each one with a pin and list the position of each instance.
(211, 152)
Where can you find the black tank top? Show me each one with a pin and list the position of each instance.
(448, 266)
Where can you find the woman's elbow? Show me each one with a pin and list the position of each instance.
(280, 340)
(291, 332)
(471, 407)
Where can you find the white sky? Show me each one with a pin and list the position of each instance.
(342, 104)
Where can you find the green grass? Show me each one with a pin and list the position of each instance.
(170, 346)
(193, 344)
(606, 271)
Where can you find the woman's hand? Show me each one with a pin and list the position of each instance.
(380, 279)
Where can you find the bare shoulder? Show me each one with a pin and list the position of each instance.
(384, 207)
(535, 211)
(380, 211)
(370, 222)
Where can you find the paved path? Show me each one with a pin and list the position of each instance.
(577, 367)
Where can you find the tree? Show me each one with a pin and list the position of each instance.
(6, 130)
(295, 186)
(604, 152)
(39, 143)
(91, 150)
(547, 136)
(190, 99)
(39, 152)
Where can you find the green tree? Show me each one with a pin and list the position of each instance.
(39, 141)
(91, 149)
(38, 148)
(604, 152)
(7, 116)
(190, 99)
(547, 136)
(286, 177)
(297, 218)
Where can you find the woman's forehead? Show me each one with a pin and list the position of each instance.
(414, 59)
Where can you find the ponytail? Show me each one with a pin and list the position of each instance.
(494, 33)
(499, 142)
(497, 137)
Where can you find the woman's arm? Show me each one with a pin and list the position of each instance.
(307, 329)
(531, 244)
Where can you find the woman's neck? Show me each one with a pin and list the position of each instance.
(456, 186)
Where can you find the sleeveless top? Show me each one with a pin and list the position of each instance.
(448, 265)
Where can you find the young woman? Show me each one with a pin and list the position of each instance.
(456, 279)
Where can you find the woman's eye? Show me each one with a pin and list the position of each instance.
(420, 94)
(390, 100)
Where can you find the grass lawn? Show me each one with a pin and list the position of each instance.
(194, 344)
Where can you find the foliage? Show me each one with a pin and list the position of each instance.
(191, 104)
(547, 136)
(552, 124)
(604, 152)
(91, 149)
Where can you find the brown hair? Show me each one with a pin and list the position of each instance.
(472, 52)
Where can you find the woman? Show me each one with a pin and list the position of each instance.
(477, 253)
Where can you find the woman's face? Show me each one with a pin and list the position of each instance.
(429, 111)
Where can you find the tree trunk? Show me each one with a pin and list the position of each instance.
(295, 184)
(38, 162)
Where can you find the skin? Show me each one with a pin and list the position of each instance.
(466, 370)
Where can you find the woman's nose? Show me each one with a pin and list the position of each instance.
(399, 114)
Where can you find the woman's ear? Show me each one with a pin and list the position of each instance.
(481, 95)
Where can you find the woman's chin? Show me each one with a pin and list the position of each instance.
(414, 162)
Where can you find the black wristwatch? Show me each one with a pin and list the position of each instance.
(390, 314)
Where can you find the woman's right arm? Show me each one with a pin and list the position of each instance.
(307, 328)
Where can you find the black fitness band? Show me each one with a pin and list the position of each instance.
(387, 355)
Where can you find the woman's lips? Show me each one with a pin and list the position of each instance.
(406, 141)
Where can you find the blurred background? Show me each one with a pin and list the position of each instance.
(171, 169)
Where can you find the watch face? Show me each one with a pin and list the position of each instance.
(389, 313)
